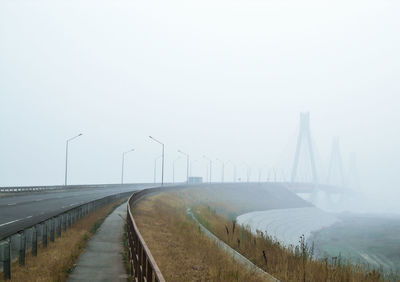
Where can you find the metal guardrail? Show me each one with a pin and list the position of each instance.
(20, 189)
(143, 265)
(16, 245)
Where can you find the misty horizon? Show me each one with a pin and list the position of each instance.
(228, 87)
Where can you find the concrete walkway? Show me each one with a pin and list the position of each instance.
(102, 259)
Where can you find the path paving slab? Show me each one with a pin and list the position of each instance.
(102, 259)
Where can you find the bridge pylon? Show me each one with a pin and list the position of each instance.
(336, 163)
(304, 137)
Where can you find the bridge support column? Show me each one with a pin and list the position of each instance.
(304, 137)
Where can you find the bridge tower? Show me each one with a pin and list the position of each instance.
(336, 163)
(304, 137)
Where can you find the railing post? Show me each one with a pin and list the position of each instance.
(135, 255)
(5, 255)
(34, 241)
(52, 231)
(149, 275)
(64, 221)
(140, 262)
(58, 221)
(22, 248)
(44, 234)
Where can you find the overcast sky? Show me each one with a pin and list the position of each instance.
(227, 79)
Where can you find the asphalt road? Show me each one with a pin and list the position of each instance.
(21, 211)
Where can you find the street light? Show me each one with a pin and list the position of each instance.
(223, 170)
(162, 167)
(123, 162)
(66, 158)
(187, 165)
(173, 169)
(210, 165)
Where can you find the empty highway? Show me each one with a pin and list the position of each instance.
(19, 211)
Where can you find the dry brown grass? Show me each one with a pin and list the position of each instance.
(180, 249)
(281, 262)
(55, 262)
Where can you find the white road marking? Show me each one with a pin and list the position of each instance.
(10, 222)
(11, 204)
(29, 216)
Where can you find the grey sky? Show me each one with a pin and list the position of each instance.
(222, 78)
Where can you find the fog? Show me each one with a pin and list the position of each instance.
(225, 79)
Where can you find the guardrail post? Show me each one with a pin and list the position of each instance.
(52, 223)
(65, 217)
(34, 241)
(44, 234)
(58, 223)
(140, 253)
(5, 256)
(75, 215)
(67, 220)
(70, 218)
(149, 275)
(22, 248)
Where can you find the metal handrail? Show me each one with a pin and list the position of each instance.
(19, 189)
(143, 265)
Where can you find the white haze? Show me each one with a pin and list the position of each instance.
(222, 78)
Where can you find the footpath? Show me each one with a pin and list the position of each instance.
(102, 259)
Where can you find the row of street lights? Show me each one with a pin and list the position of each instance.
(208, 172)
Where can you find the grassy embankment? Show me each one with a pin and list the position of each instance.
(180, 249)
(283, 263)
(55, 262)
(163, 222)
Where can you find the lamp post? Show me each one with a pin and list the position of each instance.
(187, 165)
(173, 169)
(123, 164)
(162, 166)
(210, 165)
(223, 170)
(66, 158)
